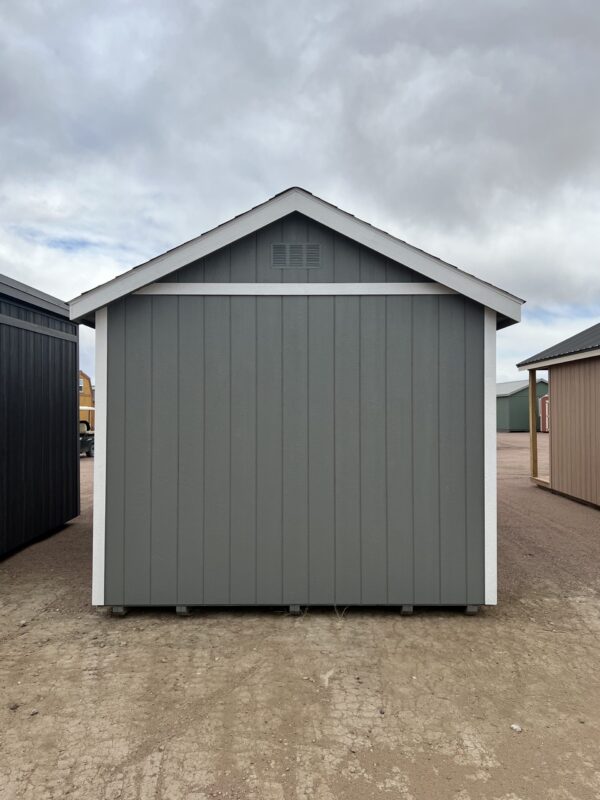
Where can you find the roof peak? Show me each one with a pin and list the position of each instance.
(297, 199)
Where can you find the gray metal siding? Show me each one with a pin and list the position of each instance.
(249, 259)
(312, 450)
(39, 444)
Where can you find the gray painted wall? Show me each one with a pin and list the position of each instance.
(311, 450)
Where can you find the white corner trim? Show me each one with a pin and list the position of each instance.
(490, 479)
(99, 515)
(314, 208)
(303, 289)
(551, 362)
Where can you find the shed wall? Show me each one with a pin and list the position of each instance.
(519, 408)
(502, 414)
(39, 447)
(311, 450)
(575, 429)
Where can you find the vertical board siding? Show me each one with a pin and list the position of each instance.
(243, 451)
(269, 377)
(138, 452)
(348, 588)
(217, 449)
(190, 522)
(426, 465)
(165, 443)
(39, 440)
(373, 444)
(295, 449)
(452, 449)
(575, 429)
(321, 451)
(399, 445)
(310, 450)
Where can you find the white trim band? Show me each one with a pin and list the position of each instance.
(490, 480)
(302, 289)
(99, 516)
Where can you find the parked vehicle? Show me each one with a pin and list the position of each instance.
(86, 438)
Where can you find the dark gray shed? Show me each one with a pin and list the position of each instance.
(39, 438)
(295, 408)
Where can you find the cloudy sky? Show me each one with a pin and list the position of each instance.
(470, 129)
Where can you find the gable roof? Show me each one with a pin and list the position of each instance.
(507, 306)
(581, 345)
(16, 290)
(512, 387)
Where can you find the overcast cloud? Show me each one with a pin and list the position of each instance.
(470, 129)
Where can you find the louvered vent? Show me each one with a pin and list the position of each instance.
(295, 255)
(279, 255)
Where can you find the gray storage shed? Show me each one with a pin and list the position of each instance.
(39, 434)
(295, 408)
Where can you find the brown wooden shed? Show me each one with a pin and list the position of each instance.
(574, 388)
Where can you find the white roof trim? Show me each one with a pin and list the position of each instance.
(552, 362)
(318, 210)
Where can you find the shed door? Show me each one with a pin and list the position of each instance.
(277, 450)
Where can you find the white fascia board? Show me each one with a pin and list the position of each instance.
(99, 513)
(551, 362)
(302, 289)
(319, 211)
(490, 466)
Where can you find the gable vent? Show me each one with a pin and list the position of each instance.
(295, 255)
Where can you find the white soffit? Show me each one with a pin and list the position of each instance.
(288, 202)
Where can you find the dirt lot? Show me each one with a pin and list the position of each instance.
(263, 705)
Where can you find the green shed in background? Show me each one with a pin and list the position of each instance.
(512, 409)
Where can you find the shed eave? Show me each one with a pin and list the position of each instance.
(552, 362)
(506, 305)
(16, 290)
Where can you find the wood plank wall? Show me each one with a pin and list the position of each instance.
(575, 429)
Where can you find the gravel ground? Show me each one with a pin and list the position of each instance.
(262, 705)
